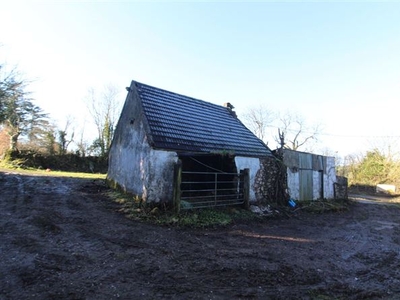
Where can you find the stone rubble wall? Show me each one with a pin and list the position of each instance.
(270, 184)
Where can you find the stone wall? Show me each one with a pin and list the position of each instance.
(341, 188)
(270, 183)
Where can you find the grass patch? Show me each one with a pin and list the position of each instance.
(323, 206)
(200, 218)
(9, 167)
(26, 159)
(134, 209)
(206, 218)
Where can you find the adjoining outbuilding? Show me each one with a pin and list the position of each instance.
(168, 146)
(310, 176)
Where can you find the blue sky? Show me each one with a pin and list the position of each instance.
(335, 63)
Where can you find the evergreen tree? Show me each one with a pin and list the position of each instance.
(18, 114)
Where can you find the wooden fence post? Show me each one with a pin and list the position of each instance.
(177, 186)
(246, 188)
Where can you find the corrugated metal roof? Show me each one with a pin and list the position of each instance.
(183, 123)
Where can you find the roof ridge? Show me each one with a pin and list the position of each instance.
(178, 94)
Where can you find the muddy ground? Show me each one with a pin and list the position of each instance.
(62, 238)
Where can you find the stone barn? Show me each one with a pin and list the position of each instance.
(168, 146)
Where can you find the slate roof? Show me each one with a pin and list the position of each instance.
(185, 124)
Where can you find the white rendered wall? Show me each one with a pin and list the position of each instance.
(253, 164)
(141, 170)
(329, 178)
(293, 180)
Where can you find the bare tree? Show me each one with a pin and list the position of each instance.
(104, 108)
(82, 144)
(257, 119)
(50, 140)
(296, 131)
(293, 131)
(66, 135)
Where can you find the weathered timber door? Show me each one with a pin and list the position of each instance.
(305, 177)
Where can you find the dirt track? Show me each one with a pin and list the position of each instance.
(63, 239)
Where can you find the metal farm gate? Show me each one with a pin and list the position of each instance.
(210, 189)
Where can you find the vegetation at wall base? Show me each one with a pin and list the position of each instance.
(134, 208)
(323, 206)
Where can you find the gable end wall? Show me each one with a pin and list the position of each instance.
(133, 164)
